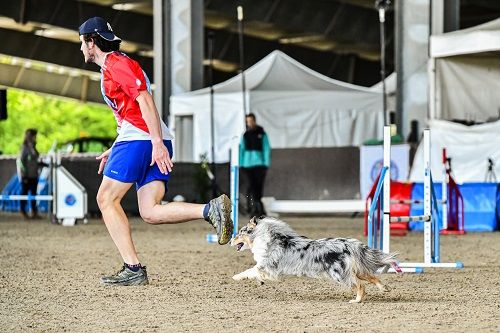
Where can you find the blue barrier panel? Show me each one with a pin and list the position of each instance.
(480, 202)
(480, 205)
(417, 193)
(14, 187)
(43, 206)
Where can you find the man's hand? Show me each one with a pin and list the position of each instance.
(161, 156)
(104, 158)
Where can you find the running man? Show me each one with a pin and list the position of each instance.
(141, 154)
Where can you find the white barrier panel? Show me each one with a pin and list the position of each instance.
(71, 198)
(370, 163)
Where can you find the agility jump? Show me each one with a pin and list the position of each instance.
(67, 197)
(379, 230)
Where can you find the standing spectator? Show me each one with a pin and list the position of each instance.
(28, 166)
(255, 158)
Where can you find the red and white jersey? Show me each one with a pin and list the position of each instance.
(121, 80)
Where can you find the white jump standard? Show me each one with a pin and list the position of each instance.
(379, 231)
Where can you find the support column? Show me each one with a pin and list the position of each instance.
(445, 17)
(178, 47)
(412, 42)
(161, 45)
(186, 45)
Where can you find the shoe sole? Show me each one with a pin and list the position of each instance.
(227, 225)
(133, 282)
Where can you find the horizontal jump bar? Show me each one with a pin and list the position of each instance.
(410, 201)
(417, 218)
(316, 206)
(457, 264)
(404, 270)
(26, 197)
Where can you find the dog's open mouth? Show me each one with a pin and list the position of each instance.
(239, 246)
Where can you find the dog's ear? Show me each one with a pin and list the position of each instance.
(253, 221)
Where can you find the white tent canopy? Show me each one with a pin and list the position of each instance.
(297, 107)
(481, 38)
(469, 148)
(465, 74)
(391, 82)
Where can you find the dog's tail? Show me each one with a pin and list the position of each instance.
(395, 266)
(375, 259)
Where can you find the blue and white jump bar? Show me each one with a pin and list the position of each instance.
(27, 197)
(417, 218)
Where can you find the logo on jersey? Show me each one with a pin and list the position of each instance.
(138, 82)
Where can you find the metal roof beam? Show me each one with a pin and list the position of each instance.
(50, 83)
(69, 14)
(54, 51)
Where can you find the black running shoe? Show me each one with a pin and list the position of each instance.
(219, 216)
(127, 277)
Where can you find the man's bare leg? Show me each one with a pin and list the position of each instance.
(109, 199)
(152, 211)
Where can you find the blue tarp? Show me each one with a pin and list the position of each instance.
(481, 203)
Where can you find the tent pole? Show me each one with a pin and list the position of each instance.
(431, 72)
(239, 10)
(212, 116)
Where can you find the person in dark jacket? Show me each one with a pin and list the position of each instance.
(255, 158)
(28, 166)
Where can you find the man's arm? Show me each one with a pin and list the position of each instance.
(150, 115)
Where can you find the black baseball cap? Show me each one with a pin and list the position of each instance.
(99, 26)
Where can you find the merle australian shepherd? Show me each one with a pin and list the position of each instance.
(280, 251)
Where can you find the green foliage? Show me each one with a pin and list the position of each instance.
(54, 118)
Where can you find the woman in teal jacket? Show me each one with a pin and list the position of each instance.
(255, 158)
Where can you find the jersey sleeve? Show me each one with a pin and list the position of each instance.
(129, 77)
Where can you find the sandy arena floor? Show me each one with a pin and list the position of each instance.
(49, 283)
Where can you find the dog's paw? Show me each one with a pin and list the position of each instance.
(355, 301)
(238, 277)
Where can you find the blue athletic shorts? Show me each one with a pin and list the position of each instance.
(129, 162)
